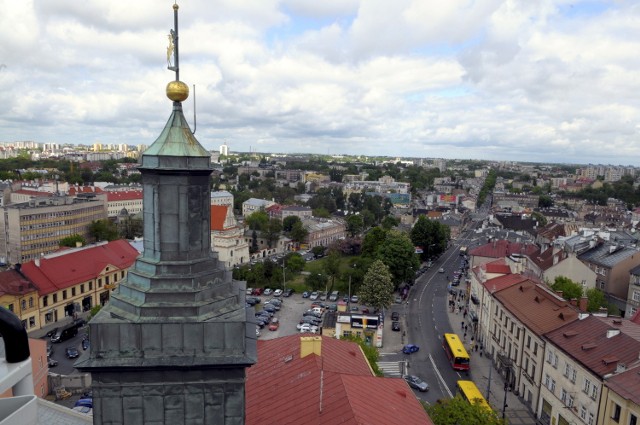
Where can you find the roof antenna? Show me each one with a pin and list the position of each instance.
(194, 110)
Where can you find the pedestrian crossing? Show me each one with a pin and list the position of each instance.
(391, 369)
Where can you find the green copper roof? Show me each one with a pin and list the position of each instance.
(176, 139)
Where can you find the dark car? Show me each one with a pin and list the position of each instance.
(417, 383)
(85, 343)
(288, 292)
(306, 294)
(269, 307)
(410, 349)
(395, 326)
(252, 300)
(395, 316)
(49, 350)
(52, 362)
(71, 352)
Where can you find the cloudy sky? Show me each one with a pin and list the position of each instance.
(543, 80)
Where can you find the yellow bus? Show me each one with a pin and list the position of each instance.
(458, 356)
(471, 393)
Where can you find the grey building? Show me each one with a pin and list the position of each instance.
(173, 344)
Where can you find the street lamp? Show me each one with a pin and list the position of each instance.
(284, 280)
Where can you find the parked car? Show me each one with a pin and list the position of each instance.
(256, 291)
(85, 402)
(306, 294)
(267, 291)
(334, 296)
(288, 292)
(63, 334)
(354, 298)
(49, 350)
(395, 316)
(274, 325)
(410, 349)
(314, 296)
(269, 307)
(52, 362)
(365, 310)
(322, 296)
(85, 342)
(416, 382)
(71, 352)
(249, 291)
(312, 313)
(441, 270)
(277, 292)
(308, 328)
(398, 299)
(395, 326)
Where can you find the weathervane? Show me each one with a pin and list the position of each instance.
(176, 90)
(172, 48)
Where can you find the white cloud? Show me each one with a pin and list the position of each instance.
(546, 80)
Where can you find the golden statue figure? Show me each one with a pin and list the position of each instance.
(170, 47)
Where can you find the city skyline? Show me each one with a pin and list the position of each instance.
(546, 82)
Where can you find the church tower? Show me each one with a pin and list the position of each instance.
(172, 345)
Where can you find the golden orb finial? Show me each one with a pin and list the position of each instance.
(177, 91)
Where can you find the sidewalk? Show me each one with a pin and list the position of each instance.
(516, 412)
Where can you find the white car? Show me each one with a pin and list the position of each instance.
(277, 292)
(313, 296)
(307, 328)
(354, 298)
(441, 270)
(267, 291)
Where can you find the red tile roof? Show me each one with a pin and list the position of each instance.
(503, 248)
(589, 342)
(624, 325)
(124, 195)
(537, 308)
(33, 193)
(218, 216)
(70, 267)
(501, 282)
(335, 387)
(14, 283)
(498, 266)
(626, 384)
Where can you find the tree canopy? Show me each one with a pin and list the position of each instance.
(398, 253)
(570, 290)
(431, 235)
(457, 411)
(377, 287)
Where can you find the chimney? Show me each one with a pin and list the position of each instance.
(582, 304)
(310, 345)
(612, 332)
(559, 293)
(573, 302)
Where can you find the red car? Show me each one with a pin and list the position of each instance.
(256, 291)
(274, 325)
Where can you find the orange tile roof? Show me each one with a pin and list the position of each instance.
(501, 282)
(336, 387)
(14, 283)
(33, 193)
(77, 266)
(537, 308)
(626, 384)
(218, 216)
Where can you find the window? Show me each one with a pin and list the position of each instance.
(535, 348)
(563, 396)
(64, 294)
(549, 357)
(528, 341)
(100, 283)
(591, 419)
(533, 370)
(570, 401)
(583, 413)
(48, 318)
(586, 386)
(10, 307)
(547, 380)
(73, 292)
(633, 419)
(30, 302)
(615, 415)
(55, 298)
(594, 391)
(82, 288)
(45, 300)
(636, 296)
(573, 375)
(90, 286)
(567, 370)
(32, 321)
(24, 304)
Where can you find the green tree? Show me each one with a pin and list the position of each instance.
(372, 241)
(272, 230)
(288, 222)
(316, 281)
(389, 222)
(257, 220)
(431, 235)
(595, 299)
(318, 251)
(103, 230)
(570, 289)
(545, 201)
(542, 220)
(332, 266)
(354, 225)
(294, 262)
(457, 411)
(370, 352)
(71, 240)
(377, 287)
(321, 212)
(298, 233)
(398, 253)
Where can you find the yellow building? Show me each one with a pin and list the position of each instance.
(368, 327)
(19, 295)
(620, 399)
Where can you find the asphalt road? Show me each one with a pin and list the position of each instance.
(65, 365)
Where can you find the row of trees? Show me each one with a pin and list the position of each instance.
(573, 291)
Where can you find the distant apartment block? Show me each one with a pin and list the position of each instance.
(382, 185)
(31, 229)
(129, 200)
(295, 211)
(222, 198)
(252, 205)
(323, 232)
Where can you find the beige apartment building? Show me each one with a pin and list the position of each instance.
(620, 401)
(31, 229)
